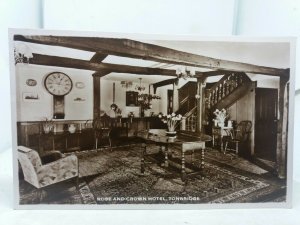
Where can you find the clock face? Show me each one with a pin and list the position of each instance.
(58, 84)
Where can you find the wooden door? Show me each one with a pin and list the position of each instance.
(266, 123)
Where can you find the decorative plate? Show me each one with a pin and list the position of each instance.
(79, 85)
(31, 82)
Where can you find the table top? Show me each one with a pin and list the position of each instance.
(223, 128)
(160, 136)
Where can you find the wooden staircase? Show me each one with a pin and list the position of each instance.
(187, 104)
(222, 94)
(227, 91)
(187, 100)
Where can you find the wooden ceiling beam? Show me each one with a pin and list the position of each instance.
(87, 65)
(140, 50)
(163, 83)
(98, 57)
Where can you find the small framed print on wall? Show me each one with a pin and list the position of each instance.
(30, 97)
(131, 98)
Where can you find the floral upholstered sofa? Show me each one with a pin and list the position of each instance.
(41, 175)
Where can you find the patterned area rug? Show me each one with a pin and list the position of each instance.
(114, 177)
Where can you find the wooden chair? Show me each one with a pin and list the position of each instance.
(54, 168)
(240, 135)
(102, 129)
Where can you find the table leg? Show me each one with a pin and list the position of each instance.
(143, 158)
(165, 149)
(183, 173)
(221, 140)
(66, 143)
(53, 143)
(202, 158)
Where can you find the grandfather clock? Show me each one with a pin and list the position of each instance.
(58, 84)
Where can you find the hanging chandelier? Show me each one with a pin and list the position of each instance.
(139, 87)
(185, 72)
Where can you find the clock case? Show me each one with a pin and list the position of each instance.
(58, 100)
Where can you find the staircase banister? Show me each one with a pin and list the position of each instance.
(184, 100)
(217, 84)
(188, 114)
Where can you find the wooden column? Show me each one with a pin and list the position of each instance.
(200, 104)
(175, 97)
(97, 91)
(97, 96)
(281, 151)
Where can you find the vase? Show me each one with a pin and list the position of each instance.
(171, 133)
(221, 124)
(72, 128)
(47, 129)
(215, 123)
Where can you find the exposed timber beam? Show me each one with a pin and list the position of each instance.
(87, 65)
(164, 83)
(140, 50)
(98, 57)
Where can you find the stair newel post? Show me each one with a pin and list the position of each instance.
(220, 92)
(232, 82)
(208, 100)
(175, 97)
(224, 89)
(200, 103)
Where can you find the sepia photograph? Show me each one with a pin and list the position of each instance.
(162, 121)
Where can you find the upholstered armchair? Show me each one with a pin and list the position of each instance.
(41, 174)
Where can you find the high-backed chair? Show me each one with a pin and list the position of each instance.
(240, 135)
(42, 175)
(102, 129)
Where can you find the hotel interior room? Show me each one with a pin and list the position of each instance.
(104, 120)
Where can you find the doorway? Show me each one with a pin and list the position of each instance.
(266, 123)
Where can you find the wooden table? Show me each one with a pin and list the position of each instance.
(188, 141)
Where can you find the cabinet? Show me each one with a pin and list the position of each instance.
(31, 134)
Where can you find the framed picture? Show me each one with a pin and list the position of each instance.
(226, 143)
(30, 97)
(131, 98)
(79, 99)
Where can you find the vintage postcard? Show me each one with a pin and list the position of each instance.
(147, 121)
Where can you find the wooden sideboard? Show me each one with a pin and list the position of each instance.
(31, 134)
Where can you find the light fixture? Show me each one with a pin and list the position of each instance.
(126, 84)
(22, 53)
(139, 87)
(185, 72)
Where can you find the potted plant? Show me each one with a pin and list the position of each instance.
(221, 115)
(144, 100)
(47, 124)
(172, 121)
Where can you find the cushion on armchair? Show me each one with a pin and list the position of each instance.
(51, 156)
(41, 175)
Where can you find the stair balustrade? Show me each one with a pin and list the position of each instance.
(225, 87)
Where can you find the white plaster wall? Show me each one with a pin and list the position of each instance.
(106, 87)
(35, 111)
